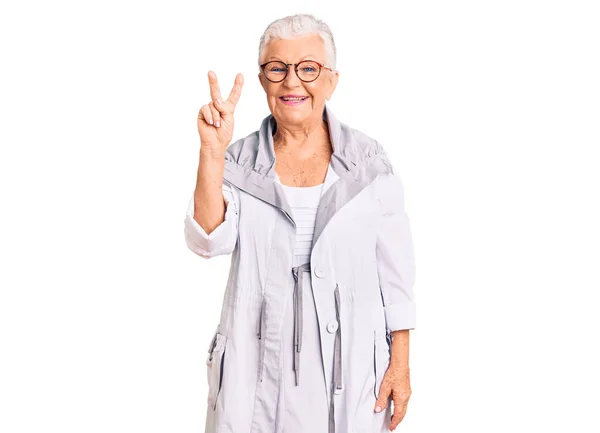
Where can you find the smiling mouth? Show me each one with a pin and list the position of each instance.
(293, 99)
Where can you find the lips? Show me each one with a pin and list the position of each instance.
(293, 98)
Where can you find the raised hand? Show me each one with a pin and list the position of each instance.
(215, 119)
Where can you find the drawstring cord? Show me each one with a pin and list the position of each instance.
(298, 315)
(259, 334)
(338, 386)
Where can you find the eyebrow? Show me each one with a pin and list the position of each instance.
(303, 58)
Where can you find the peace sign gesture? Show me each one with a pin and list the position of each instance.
(215, 119)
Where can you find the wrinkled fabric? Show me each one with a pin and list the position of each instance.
(333, 331)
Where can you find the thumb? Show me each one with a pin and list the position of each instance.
(382, 400)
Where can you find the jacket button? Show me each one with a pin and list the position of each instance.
(319, 272)
(332, 326)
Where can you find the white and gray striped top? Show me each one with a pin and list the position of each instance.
(304, 201)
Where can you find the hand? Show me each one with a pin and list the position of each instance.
(396, 382)
(215, 119)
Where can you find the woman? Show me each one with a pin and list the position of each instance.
(315, 321)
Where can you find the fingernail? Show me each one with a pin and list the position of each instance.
(378, 409)
(217, 124)
(210, 121)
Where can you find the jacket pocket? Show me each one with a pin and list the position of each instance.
(215, 362)
(381, 359)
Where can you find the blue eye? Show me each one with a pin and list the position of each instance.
(309, 69)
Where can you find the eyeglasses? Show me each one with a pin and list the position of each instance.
(307, 70)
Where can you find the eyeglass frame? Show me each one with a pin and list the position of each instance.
(295, 65)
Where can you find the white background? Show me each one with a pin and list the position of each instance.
(490, 111)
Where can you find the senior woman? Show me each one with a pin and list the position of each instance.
(314, 328)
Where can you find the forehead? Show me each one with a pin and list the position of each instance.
(293, 50)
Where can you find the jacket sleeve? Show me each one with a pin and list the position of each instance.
(223, 238)
(395, 256)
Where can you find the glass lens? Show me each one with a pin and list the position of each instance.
(275, 71)
(308, 70)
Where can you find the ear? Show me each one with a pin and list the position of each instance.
(333, 80)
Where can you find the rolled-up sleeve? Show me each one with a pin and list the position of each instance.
(223, 238)
(395, 256)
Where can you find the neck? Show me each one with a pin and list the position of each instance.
(302, 141)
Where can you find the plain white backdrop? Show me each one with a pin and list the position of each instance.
(489, 111)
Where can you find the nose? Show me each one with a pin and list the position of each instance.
(292, 80)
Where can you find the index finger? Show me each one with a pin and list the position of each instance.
(234, 96)
(215, 92)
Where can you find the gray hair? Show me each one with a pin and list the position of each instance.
(297, 25)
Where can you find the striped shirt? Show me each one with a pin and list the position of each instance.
(304, 201)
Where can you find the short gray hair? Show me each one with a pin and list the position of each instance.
(297, 25)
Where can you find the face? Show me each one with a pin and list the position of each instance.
(309, 47)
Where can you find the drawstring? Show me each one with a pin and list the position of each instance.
(338, 387)
(259, 326)
(259, 334)
(298, 315)
(337, 357)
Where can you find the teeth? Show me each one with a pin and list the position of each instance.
(293, 99)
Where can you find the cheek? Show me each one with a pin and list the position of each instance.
(272, 98)
(317, 92)
(271, 91)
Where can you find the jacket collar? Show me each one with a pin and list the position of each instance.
(356, 161)
(344, 146)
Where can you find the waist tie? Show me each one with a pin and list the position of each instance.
(298, 315)
(338, 387)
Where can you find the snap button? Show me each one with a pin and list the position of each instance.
(319, 272)
(332, 326)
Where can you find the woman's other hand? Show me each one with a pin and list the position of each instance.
(215, 119)
(396, 382)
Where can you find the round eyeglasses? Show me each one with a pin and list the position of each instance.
(307, 70)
